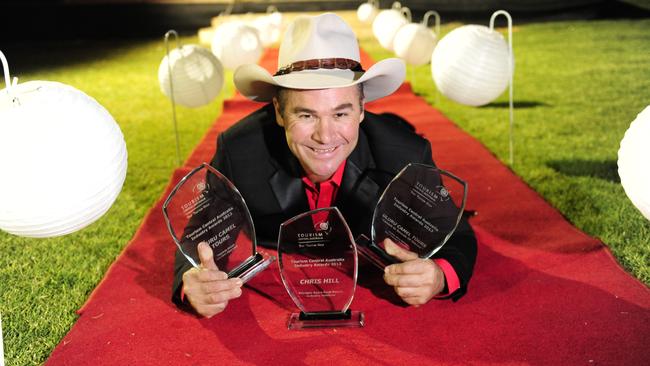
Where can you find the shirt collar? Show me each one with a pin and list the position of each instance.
(335, 179)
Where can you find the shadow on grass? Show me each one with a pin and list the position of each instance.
(601, 169)
(517, 104)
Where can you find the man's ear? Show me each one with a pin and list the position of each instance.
(278, 116)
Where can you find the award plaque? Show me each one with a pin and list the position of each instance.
(206, 207)
(318, 266)
(419, 210)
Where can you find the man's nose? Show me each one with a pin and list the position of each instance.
(324, 131)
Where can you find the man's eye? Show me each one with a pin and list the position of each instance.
(304, 116)
(341, 115)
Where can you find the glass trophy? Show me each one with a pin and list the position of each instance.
(318, 266)
(206, 207)
(419, 210)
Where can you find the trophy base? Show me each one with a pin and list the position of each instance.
(250, 269)
(373, 253)
(349, 319)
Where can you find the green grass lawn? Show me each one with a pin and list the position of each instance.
(578, 85)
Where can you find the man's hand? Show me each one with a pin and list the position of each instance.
(415, 280)
(207, 288)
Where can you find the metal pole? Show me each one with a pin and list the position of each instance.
(511, 84)
(171, 90)
(425, 22)
(9, 83)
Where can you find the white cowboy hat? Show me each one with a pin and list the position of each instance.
(319, 52)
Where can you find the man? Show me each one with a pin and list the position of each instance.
(315, 146)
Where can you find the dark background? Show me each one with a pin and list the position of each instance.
(105, 19)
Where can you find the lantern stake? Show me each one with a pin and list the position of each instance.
(407, 13)
(229, 8)
(425, 21)
(9, 83)
(511, 69)
(171, 90)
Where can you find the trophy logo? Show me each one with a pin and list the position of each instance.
(200, 187)
(444, 193)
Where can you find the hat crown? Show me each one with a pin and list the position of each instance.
(319, 37)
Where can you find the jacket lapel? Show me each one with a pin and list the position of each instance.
(358, 193)
(286, 183)
(289, 192)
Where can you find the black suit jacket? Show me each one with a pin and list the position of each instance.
(254, 155)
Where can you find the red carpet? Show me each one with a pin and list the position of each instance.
(543, 292)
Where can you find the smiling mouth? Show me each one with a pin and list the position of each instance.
(323, 151)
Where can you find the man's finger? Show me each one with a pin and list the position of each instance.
(206, 256)
(415, 280)
(398, 252)
(409, 267)
(407, 292)
(219, 297)
(415, 300)
(225, 296)
(209, 275)
(209, 311)
(218, 286)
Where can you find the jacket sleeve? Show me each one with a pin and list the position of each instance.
(460, 249)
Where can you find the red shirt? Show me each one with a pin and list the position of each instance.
(323, 194)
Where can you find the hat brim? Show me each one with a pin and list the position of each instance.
(382, 79)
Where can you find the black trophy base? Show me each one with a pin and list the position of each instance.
(329, 319)
(373, 253)
(252, 267)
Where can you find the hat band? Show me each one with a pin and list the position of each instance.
(321, 63)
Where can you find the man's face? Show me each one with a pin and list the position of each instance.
(321, 126)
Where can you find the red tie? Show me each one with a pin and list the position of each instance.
(325, 194)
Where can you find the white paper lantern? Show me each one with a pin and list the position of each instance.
(197, 76)
(470, 65)
(268, 29)
(386, 25)
(205, 36)
(269, 26)
(367, 12)
(414, 43)
(634, 162)
(274, 16)
(235, 43)
(62, 156)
